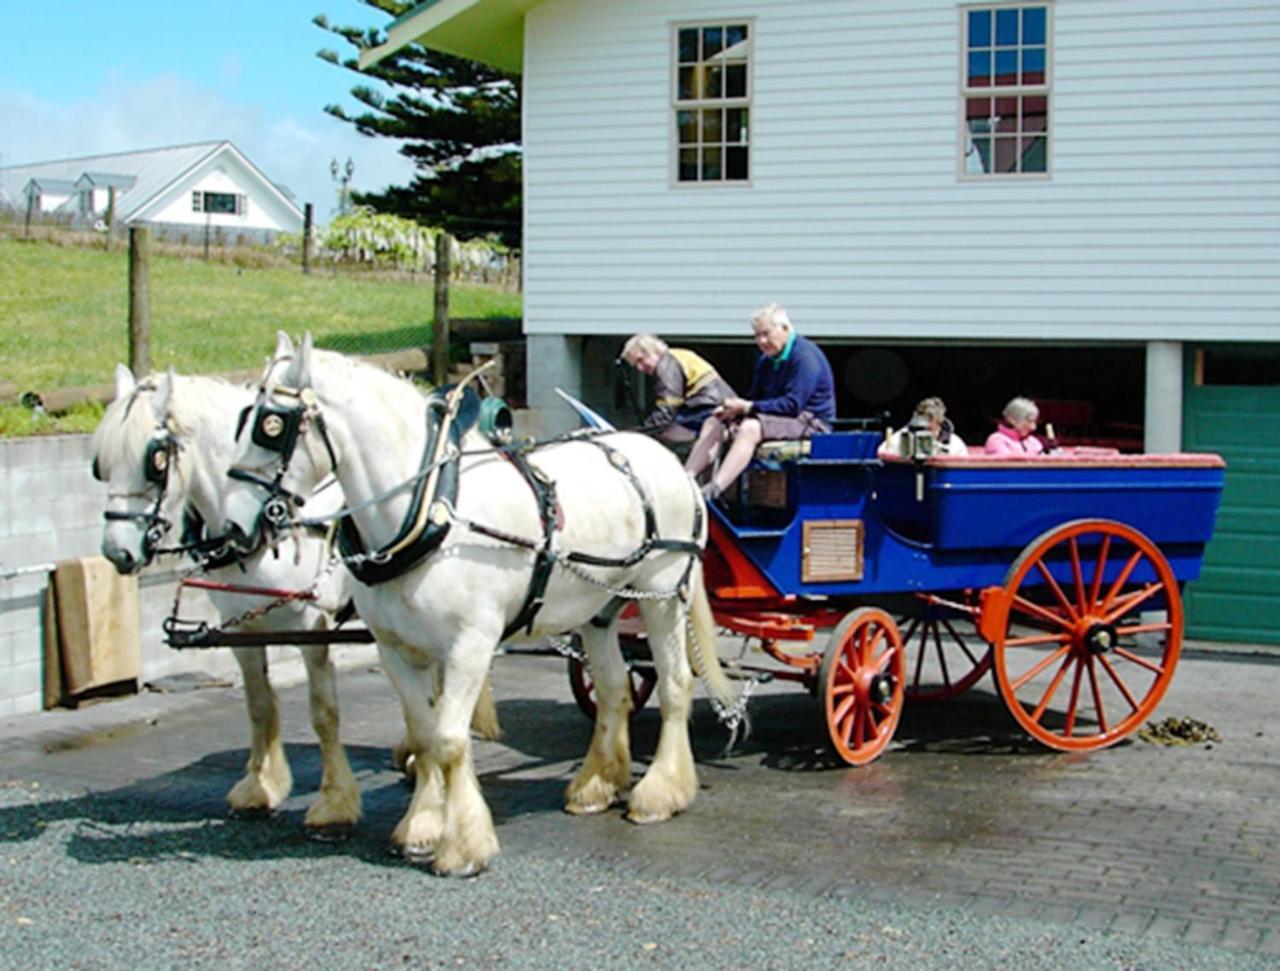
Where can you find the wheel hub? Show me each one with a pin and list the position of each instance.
(880, 689)
(1100, 638)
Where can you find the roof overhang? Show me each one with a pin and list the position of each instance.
(488, 31)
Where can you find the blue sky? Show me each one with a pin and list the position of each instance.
(81, 77)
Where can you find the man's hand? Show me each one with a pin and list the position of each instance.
(733, 408)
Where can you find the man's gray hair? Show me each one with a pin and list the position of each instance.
(773, 314)
(643, 344)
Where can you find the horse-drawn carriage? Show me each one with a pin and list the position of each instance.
(877, 581)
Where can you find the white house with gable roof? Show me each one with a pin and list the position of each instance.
(181, 189)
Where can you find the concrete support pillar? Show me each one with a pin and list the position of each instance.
(1164, 397)
(553, 361)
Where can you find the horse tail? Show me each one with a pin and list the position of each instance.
(702, 642)
(484, 720)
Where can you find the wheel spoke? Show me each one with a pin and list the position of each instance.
(1118, 681)
(881, 660)
(1071, 707)
(1132, 600)
(1056, 590)
(1043, 613)
(960, 641)
(1077, 575)
(1101, 568)
(1037, 639)
(942, 657)
(1043, 663)
(857, 728)
(1121, 580)
(842, 710)
(842, 689)
(1051, 690)
(1144, 629)
(1097, 697)
(1140, 661)
(924, 643)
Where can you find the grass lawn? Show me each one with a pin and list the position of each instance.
(64, 318)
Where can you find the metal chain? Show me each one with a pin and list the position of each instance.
(625, 593)
(734, 715)
(262, 609)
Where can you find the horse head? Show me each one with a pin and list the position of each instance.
(282, 452)
(137, 454)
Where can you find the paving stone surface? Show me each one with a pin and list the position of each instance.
(962, 811)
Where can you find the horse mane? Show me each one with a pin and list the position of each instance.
(129, 422)
(360, 373)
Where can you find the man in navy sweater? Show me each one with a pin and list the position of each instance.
(792, 396)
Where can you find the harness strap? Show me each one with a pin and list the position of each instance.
(544, 491)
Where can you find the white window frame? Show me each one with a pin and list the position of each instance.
(699, 104)
(1020, 91)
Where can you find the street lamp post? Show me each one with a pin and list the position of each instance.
(342, 175)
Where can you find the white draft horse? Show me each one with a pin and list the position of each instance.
(438, 623)
(163, 449)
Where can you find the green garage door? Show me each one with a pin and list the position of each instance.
(1237, 597)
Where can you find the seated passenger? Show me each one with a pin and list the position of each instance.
(931, 416)
(686, 388)
(792, 396)
(1013, 434)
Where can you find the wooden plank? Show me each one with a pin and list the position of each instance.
(98, 624)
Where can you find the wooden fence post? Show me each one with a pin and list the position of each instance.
(111, 215)
(139, 299)
(31, 204)
(440, 334)
(306, 238)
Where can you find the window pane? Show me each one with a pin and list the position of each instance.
(711, 164)
(712, 42)
(1006, 114)
(219, 202)
(1034, 154)
(978, 112)
(735, 132)
(980, 69)
(1006, 67)
(979, 28)
(688, 165)
(1006, 28)
(982, 154)
(735, 163)
(1006, 155)
(1034, 26)
(1035, 114)
(687, 123)
(684, 84)
(713, 84)
(734, 35)
(1033, 65)
(688, 46)
(735, 81)
(712, 127)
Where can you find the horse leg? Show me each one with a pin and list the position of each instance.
(484, 723)
(671, 781)
(267, 779)
(606, 771)
(336, 810)
(469, 841)
(416, 835)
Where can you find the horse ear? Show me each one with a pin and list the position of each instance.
(163, 394)
(304, 361)
(284, 346)
(124, 381)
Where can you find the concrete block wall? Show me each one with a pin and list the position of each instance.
(51, 510)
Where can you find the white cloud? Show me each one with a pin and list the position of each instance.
(169, 111)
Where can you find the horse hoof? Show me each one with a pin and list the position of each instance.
(418, 855)
(468, 872)
(249, 812)
(586, 809)
(330, 832)
(647, 818)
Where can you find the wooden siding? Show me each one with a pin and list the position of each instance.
(1160, 218)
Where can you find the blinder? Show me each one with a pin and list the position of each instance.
(157, 458)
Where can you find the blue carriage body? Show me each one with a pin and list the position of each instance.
(954, 523)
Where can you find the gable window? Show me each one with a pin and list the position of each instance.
(1004, 91)
(228, 203)
(712, 102)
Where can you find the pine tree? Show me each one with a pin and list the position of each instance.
(460, 122)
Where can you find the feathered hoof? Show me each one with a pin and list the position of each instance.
(645, 818)
(417, 855)
(586, 808)
(466, 871)
(249, 813)
(330, 832)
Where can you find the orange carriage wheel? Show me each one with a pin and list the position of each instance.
(861, 681)
(643, 677)
(941, 662)
(1092, 634)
